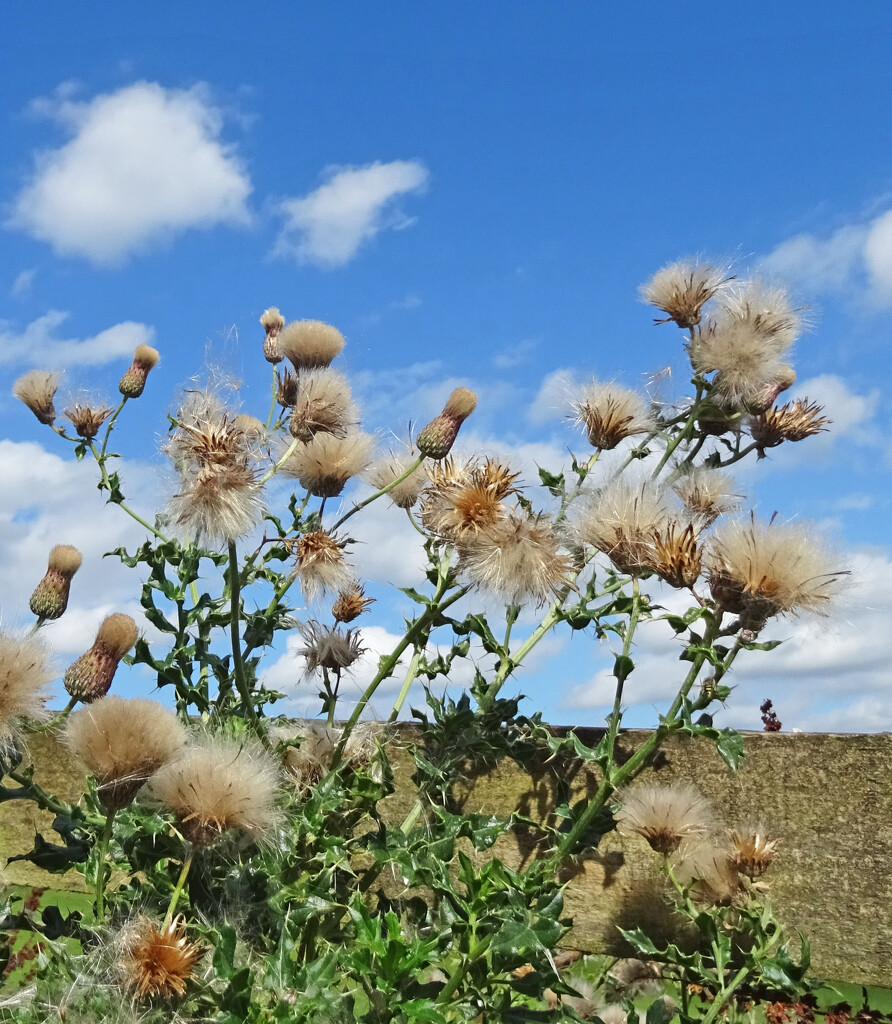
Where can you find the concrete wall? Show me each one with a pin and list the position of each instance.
(827, 797)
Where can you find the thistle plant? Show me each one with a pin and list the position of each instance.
(241, 865)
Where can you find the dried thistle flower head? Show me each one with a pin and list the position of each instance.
(794, 421)
(326, 463)
(519, 559)
(664, 815)
(322, 404)
(752, 852)
(320, 564)
(252, 428)
(706, 494)
(637, 978)
(676, 555)
(123, 741)
(622, 519)
(272, 322)
(436, 439)
(391, 467)
(766, 310)
(784, 378)
(133, 383)
(86, 418)
(329, 647)
(609, 413)
(310, 344)
(286, 388)
(351, 603)
(682, 289)
(758, 570)
(25, 675)
(308, 763)
(218, 784)
(90, 677)
(37, 389)
(709, 870)
(158, 962)
(463, 502)
(50, 597)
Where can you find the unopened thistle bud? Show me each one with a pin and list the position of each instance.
(350, 604)
(436, 440)
(50, 597)
(37, 389)
(310, 344)
(87, 419)
(90, 677)
(272, 322)
(134, 380)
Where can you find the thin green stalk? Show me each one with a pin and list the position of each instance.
(682, 435)
(238, 664)
(101, 879)
(620, 673)
(272, 404)
(415, 525)
(411, 672)
(60, 717)
(178, 889)
(41, 619)
(378, 494)
(461, 969)
(110, 424)
(722, 998)
(289, 451)
(100, 462)
(568, 499)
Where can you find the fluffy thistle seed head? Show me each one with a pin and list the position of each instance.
(158, 962)
(519, 560)
(87, 419)
(711, 870)
(37, 389)
(752, 852)
(25, 675)
(310, 344)
(272, 322)
(463, 502)
(609, 413)
(327, 462)
(784, 378)
(133, 383)
(322, 404)
(706, 494)
(123, 742)
(320, 564)
(90, 677)
(50, 597)
(758, 570)
(794, 421)
(664, 815)
(637, 978)
(351, 603)
(385, 470)
(329, 647)
(216, 785)
(766, 310)
(682, 289)
(308, 763)
(436, 439)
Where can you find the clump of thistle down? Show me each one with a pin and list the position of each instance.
(307, 762)
(709, 870)
(310, 344)
(25, 676)
(435, 441)
(759, 570)
(133, 383)
(158, 962)
(752, 851)
(329, 647)
(794, 421)
(706, 494)
(464, 500)
(665, 816)
(50, 597)
(350, 603)
(320, 565)
(392, 466)
(325, 464)
(219, 497)
(217, 785)
(609, 413)
(122, 742)
(682, 289)
(322, 404)
(37, 390)
(90, 677)
(272, 323)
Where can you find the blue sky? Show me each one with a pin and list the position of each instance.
(473, 194)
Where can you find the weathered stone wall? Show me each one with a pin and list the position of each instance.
(828, 797)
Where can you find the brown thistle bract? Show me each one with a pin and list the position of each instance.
(272, 323)
(350, 604)
(709, 870)
(468, 501)
(791, 422)
(25, 676)
(385, 470)
(50, 597)
(90, 677)
(609, 413)
(329, 647)
(682, 289)
(322, 405)
(133, 383)
(752, 852)
(218, 784)
(158, 962)
(123, 742)
(436, 439)
(325, 464)
(87, 419)
(286, 388)
(664, 815)
(320, 564)
(37, 389)
(310, 344)
(758, 570)
(676, 555)
(706, 494)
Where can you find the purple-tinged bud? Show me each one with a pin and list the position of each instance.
(90, 677)
(134, 380)
(436, 439)
(50, 597)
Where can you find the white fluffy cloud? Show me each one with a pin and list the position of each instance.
(328, 226)
(38, 345)
(141, 164)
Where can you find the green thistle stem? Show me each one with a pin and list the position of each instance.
(101, 875)
(178, 889)
(378, 494)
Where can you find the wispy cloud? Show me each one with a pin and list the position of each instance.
(328, 226)
(22, 284)
(141, 164)
(38, 345)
